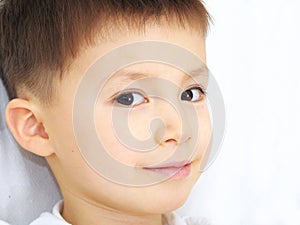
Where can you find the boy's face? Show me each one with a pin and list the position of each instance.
(77, 178)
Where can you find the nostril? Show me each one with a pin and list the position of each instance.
(170, 140)
(176, 141)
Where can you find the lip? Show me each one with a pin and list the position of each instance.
(177, 164)
(174, 170)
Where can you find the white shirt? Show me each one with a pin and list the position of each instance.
(55, 218)
(3, 223)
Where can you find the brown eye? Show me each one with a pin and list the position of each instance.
(130, 99)
(193, 94)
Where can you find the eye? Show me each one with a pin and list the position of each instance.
(130, 99)
(193, 94)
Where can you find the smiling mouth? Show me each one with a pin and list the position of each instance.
(174, 170)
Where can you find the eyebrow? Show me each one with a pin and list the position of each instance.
(125, 75)
(131, 75)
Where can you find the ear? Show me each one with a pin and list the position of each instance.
(28, 131)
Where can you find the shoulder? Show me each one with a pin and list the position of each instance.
(174, 219)
(53, 218)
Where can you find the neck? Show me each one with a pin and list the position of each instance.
(78, 211)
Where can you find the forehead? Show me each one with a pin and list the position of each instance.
(156, 70)
(136, 77)
(191, 41)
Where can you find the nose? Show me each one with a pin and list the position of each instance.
(174, 138)
(174, 130)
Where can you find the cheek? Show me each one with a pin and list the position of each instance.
(119, 134)
(204, 132)
(60, 130)
(138, 123)
(204, 122)
(64, 141)
(113, 127)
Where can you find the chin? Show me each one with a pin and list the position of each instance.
(169, 203)
(170, 195)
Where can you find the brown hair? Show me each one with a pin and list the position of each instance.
(39, 38)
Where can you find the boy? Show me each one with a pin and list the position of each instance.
(47, 48)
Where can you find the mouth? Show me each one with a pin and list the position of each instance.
(173, 170)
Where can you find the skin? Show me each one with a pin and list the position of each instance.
(88, 197)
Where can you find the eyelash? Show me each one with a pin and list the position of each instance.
(201, 90)
(134, 93)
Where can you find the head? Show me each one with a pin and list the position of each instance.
(47, 47)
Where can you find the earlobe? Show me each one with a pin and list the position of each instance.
(26, 129)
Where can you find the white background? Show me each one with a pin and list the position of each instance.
(253, 50)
